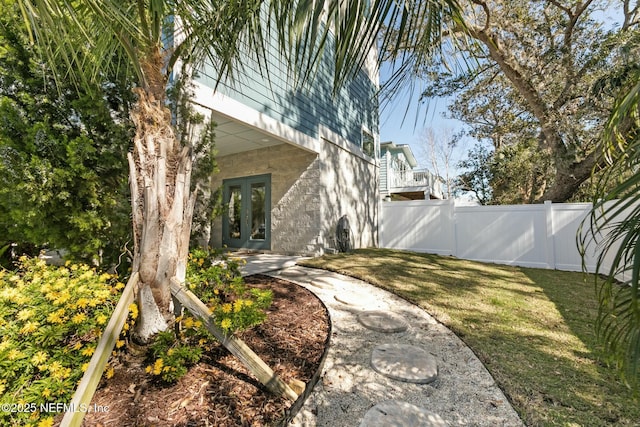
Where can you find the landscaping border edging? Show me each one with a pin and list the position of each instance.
(310, 385)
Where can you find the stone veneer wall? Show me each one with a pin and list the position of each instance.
(295, 202)
(309, 194)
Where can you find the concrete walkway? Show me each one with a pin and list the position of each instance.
(265, 263)
(389, 363)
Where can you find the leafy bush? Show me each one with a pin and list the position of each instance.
(216, 280)
(63, 168)
(50, 321)
(171, 357)
(52, 317)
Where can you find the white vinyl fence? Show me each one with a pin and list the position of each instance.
(542, 236)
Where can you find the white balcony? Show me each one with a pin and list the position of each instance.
(399, 179)
(413, 183)
(408, 178)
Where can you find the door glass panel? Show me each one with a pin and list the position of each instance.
(258, 211)
(235, 211)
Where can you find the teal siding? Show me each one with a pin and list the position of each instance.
(354, 106)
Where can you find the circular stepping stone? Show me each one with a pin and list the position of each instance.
(322, 284)
(395, 413)
(383, 321)
(354, 299)
(404, 362)
(292, 273)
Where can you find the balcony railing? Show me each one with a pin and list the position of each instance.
(414, 178)
(409, 178)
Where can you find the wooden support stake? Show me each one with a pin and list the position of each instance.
(84, 393)
(236, 346)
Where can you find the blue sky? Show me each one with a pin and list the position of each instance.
(394, 126)
(404, 120)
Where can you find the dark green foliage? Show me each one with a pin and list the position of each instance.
(519, 173)
(198, 131)
(477, 175)
(63, 171)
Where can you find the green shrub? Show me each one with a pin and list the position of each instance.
(50, 321)
(63, 167)
(172, 357)
(216, 280)
(52, 317)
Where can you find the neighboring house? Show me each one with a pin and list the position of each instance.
(398, 178)
(293, 162)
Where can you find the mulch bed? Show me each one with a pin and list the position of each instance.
(219, 391)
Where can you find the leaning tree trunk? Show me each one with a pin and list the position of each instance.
(570, 175)
(162, 206)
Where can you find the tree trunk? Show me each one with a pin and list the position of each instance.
(162, 206)
(569, 177)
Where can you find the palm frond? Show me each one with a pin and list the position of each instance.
(614, 229)
(223, 32)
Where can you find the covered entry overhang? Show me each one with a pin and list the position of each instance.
(310, 181)
(253, 174)
(240, 128)
(246, 220)
(234, 137)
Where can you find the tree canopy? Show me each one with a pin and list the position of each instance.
(531, 74)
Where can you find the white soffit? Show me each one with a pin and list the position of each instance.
(234, 137)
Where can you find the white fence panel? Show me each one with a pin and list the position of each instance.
(542, 236)
(593, 249)
(418, 226)
(566, 219)
(515, 235)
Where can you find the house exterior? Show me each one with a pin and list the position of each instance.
(292, 162)
(399, 180)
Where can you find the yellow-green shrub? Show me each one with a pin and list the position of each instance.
(52, 317)
(50, 321)
(216, 280)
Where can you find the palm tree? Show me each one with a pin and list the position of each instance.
(615, 231)
(154, 36)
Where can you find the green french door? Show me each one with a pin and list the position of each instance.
(247, 219)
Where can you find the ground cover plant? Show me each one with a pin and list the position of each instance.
(532, 328)
(235, 307)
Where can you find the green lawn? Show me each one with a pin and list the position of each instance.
(532, 328)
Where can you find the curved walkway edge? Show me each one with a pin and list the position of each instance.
(452, 388)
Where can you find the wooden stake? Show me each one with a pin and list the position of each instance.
(236, 346)
(89, 382)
